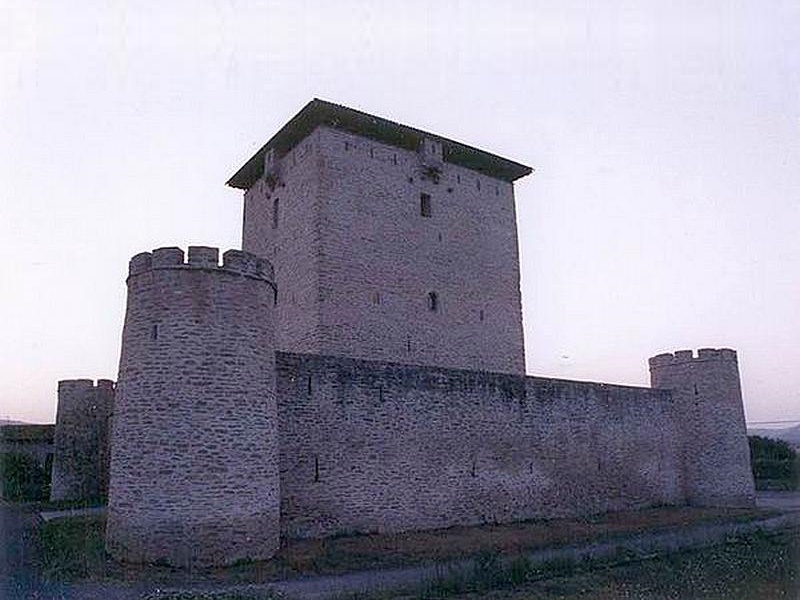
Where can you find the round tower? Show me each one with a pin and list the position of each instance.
(194, 450)
(708, 400)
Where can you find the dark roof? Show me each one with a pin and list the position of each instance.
(20, 433)
(319, 112)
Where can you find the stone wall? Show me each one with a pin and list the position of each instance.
(370, 446)
(281, 224)
(361, 272)
(194, 459)
(708, 394)
(80, 460)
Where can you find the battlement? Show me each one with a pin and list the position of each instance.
(688, 356)
(202, 257)
(80, 386)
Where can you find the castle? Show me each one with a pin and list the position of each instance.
(359, 367)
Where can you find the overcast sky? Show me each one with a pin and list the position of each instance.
(664, 212)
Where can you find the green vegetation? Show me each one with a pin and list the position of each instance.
(774, 462)
(23, 480)
(491, 571)
(749, 568)
(72, 548)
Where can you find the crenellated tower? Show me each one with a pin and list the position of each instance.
(80, 457)
(708, 397)
(194, 455)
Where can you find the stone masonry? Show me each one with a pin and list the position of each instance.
(708, 395)
(375, 381)
(194, 456)
(387, 250)
(80, 455)
(369, 446)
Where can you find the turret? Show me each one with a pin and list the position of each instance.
(80, 444)
(708, 398)
(194, 454)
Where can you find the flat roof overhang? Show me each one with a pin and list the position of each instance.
(319, 112)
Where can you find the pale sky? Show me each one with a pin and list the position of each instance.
(664, 212)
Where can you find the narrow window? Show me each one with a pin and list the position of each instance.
(458, 178)
(316, 468)
(347, 146)
(371, 153)
(478, 183)
(695, 390)
(394, 158)
(308, 384)
(375, 297)
(275, 209)
(481, 315)
(154, 332)
(425, 205)
(433, 302)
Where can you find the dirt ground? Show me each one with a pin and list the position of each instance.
(77, 566)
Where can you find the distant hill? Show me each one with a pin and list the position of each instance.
(4, 422)
(790, 435)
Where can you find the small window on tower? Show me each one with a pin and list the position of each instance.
(425, 205)
(275, 209)
(433, 302)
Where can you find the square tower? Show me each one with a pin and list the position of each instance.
(389, 243)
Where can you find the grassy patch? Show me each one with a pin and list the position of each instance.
(72, 548)
(753, 567)
(492, 572)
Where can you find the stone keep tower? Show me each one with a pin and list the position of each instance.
(708, 395)
(80, 456)
(194, 456)
(389, 243)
